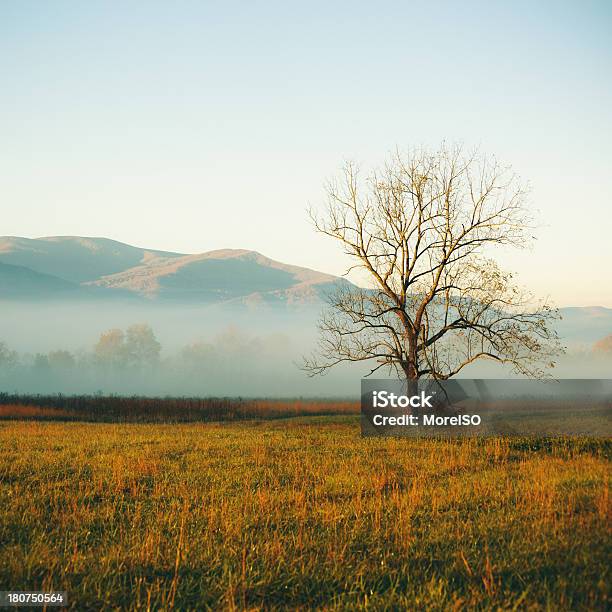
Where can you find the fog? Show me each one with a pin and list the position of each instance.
(54, 347)
(66, 347)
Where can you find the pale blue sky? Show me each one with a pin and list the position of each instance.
(191, 126)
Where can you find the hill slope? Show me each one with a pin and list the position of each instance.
(221, 276)
(51, 267)
(104, 267)
(585, 325)
(18, 281)
(74, 258)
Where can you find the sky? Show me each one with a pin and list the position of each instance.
(192, 126)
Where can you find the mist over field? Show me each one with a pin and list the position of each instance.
(202, 350)
(212, 350)
(89, 315)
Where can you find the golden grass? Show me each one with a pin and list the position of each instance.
(164, 410)
(300, 514)
(20, 411)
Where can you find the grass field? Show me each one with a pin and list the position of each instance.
(301, 513)
(138, 409)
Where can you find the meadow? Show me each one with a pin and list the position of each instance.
(301, 513)
(142, 409)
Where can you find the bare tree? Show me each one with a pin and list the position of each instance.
(422, 228)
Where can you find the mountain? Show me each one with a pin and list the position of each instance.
(101, 267)
(222, 275)
(74, 258)
(97, 268)
(584, 325)
(18, 281)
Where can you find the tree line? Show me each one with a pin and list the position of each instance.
(138, 348)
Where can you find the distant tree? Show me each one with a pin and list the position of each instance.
(198, 353)
(232, 341)
(141, 346)
(61, 359)
(136, 348)
(41, 362)
(8, 357)
(422, 228)
(110, 349)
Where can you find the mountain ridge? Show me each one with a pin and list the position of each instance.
(113, 267)
(83, 267)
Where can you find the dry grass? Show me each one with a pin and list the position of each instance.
(116, 408)
(302, 513)
(21, 411)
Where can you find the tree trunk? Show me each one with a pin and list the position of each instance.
(411, 382)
